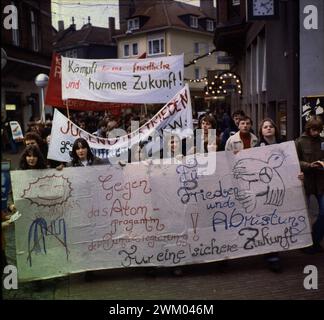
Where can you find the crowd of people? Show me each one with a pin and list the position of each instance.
(233, 136)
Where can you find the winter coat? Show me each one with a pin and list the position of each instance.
(96, 161)
(234, 143)
(263, 142)
(310, 149)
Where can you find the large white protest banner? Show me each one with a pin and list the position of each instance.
(176, 116)
(152, 80)
(101, 217)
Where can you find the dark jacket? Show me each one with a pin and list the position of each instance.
(311, 149)
(228, 132)
(96, 161)
(263, 142)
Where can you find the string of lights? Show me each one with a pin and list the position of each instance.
(197, 80)
(194, 61)
(223, 84)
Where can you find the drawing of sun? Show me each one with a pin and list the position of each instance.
(48, 191)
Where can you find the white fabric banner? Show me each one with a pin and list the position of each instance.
(176, 115)
(223, 206)
(152, 80)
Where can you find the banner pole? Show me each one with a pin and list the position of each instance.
(67, 109)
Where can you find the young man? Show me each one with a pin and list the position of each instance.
(233, 127)
(310, 149)
(243, 139)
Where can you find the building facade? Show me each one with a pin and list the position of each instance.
(89, 42)
(265, 55)
(161, 28)
(27, 42)
(311, 59)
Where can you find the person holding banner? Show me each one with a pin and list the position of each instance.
(82, 156)
(269, 134)
(5, 223)
(243, 139)
(205, 139)
(232, 128)
(137, 153)
(33, 138)
(32, 158)
(310, 149)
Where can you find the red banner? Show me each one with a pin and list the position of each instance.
(54, 94)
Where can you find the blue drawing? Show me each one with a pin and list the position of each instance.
(37, 232)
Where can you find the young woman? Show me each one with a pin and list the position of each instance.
(209, 142)
(268, 133)
(32, 158)
(82, 156)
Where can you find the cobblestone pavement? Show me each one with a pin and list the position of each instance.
(245, 278)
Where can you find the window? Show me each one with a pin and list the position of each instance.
(210, 25)
(156, 46)
(133, 24)
(207, 47)
(207, 71)
(15, 37)
(196, 48)
(71, 53)
(234, 9)
(34, 31)
(126, 50)
(193, 22)
(197, 73)
(15, 31)
(135, 49)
